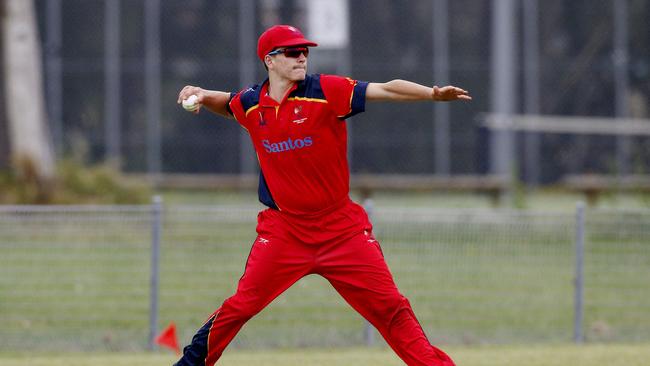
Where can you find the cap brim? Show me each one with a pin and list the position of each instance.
(298, 42)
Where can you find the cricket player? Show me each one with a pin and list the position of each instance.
(296, 122)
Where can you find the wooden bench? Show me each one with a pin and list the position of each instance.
(593, 185)
(492, 185)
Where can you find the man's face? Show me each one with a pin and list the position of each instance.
(289, 62)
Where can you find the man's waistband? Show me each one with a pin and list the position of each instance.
(316, 215)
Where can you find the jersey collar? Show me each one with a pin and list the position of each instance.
(267, 101)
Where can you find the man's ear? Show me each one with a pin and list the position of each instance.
(268, 61)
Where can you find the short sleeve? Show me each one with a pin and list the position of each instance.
(345, 96)
(232, 95)
(235, 108)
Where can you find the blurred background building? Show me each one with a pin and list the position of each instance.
(113, 69)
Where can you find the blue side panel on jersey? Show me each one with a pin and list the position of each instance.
(264, 193)
(251, 96)
(195, 353)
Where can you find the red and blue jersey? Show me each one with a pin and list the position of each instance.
(301, 142)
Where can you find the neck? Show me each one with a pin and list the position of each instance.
(278, 87)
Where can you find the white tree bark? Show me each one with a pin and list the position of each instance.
(29, 138)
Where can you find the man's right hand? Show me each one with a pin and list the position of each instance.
(215, 101)
(188, 91)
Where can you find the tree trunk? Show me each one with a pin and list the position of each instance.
(31, 152)
(4, 139)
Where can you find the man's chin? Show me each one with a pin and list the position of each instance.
(299, 75)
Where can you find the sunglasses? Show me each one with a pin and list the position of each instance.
(293, 52)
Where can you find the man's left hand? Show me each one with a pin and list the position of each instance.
(449, 93)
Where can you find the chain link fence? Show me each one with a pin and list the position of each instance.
(113, 75)
(74, 278)
(77, 278)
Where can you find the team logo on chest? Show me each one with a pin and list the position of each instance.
(262, 122)
(298, 116)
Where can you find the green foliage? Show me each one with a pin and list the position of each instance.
(75, 184)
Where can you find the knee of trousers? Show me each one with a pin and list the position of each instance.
(241, 309)
(386, 310)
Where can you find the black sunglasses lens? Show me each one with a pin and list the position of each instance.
(295, 52)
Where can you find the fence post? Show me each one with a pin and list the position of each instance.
(368, 329)
(578, 336)
(156, 229)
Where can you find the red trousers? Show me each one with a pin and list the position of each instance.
(337, 245)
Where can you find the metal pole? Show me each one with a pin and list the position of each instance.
(531, 87)
(621, 61)
(156, 231)
(248, 62)
(344, 67)
(441, 77)
(152, 88)
(578, 337)
(504, 86)
(112, 86)
(368, 329)
(54, 73)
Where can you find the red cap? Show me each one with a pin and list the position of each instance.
(281, 36)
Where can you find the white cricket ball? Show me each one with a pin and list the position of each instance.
(190, 103)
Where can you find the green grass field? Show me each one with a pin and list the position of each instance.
(563, 355)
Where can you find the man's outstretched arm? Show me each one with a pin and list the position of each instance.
(215, 101)
(403, 90)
